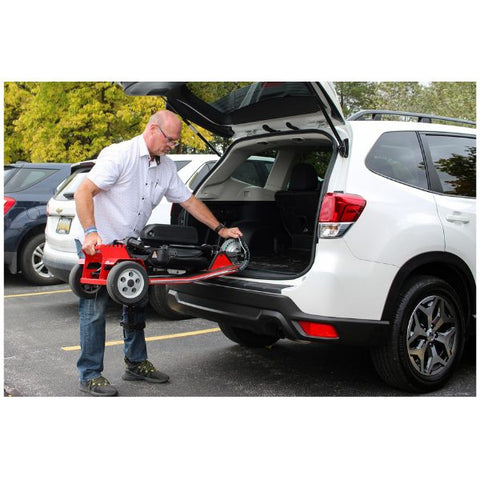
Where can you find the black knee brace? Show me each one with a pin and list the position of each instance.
(129, 325)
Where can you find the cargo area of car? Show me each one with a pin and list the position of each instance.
(278, 215)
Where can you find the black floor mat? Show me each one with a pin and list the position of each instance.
(292, 262)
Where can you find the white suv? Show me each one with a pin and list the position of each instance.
(363, 232)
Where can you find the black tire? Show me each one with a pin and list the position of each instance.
(427, 337)
(80, 289)
(247, 338)
(158, 298)
(127, 283)
(31, 262)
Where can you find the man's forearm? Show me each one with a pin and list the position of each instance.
(84, 203)
(84, 206)
(201, 212)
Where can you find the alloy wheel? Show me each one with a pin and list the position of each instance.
(432, 335)
(37, 261)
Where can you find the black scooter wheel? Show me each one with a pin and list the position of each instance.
(81, 290)
(127, 283)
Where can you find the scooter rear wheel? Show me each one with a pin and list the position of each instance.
(81, 290)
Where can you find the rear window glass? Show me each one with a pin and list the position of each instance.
(454, 159)
(226, 97)
(8, 173)
(230, 103)
(71, 184)
(25, 178)
(397, 155)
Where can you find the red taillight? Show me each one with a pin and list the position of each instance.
(341, 207)
(321, 330)
(8, 203)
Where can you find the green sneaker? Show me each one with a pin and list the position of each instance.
(99, 387)
(143, 371)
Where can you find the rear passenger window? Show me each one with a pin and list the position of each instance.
(70, 185)
(397, 155)
(255, 170)
(454, 159)
(248, 173)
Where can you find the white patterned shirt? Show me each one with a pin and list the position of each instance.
(131, 187)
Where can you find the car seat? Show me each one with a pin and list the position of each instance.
(299, 204)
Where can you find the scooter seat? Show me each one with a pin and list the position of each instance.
(158, 234)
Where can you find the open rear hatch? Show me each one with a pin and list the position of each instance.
(286, 122)
(238, 109)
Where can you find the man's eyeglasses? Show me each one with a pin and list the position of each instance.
(171, 141)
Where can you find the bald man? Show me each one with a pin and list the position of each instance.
(115, 202)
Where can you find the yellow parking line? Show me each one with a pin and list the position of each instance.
(152, 339)
(36, 293)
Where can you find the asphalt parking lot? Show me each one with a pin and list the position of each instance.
(41, 349)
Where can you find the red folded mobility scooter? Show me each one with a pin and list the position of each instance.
(163, 254)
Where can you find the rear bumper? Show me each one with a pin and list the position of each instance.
(268, 313)
(59, 263)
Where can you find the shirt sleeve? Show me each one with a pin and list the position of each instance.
(107, 169)
(177, 191)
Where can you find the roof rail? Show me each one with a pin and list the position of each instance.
(421, 117)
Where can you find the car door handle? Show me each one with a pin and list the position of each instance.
(457, 218)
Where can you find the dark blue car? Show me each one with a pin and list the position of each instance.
(27, 189)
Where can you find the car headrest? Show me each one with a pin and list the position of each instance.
(303, 178)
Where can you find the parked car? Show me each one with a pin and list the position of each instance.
(381, 253)
(27, 189)
(62, 227)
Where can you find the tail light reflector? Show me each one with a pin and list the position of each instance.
(8, 203)
(338, 212)
(321, 330)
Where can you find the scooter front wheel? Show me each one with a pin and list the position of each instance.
(127, 283)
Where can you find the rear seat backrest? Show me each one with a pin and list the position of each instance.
(298, 205)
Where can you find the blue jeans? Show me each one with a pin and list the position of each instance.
(92, 314)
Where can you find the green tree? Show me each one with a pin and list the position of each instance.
(17, 97)
(73, 121)
(399, 96)
(450, 99)
(355, 96)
